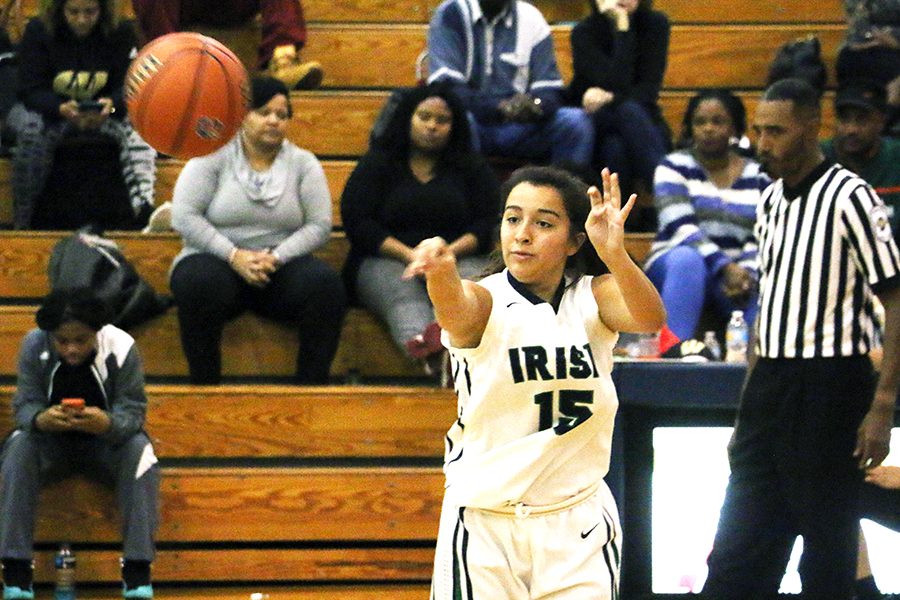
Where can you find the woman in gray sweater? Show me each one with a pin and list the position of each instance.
(251, 215)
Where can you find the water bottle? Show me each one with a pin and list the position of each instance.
(65, 574)
(737, 337)
(712, 343)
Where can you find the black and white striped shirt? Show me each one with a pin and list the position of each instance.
(824, 248)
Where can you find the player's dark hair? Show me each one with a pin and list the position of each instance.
(732, 104)
(573, 192)
(72, 304)
(801, 94)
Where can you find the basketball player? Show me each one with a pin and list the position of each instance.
(526, 513)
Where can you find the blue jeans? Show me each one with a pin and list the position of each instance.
(567, 136)
(685, 284)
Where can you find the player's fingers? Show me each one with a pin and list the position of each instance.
(615, 192)
(604, 177)
(594, 195)
(626, 210)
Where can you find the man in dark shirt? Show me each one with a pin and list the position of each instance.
(860, 145)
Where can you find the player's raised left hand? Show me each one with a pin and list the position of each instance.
(605, 224)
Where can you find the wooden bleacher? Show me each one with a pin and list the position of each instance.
(313, 493)
(245, 519)
(253, 346)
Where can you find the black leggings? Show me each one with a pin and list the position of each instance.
(305, 291)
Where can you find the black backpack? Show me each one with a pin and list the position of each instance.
(85, 187)
(801, 59)
(86, 260)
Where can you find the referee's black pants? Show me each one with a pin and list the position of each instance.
(793, 473)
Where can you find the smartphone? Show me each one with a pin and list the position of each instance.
(73, 404)
(90, 106)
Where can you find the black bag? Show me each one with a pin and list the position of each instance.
(86, 260)
(802, 59)
(85, 187)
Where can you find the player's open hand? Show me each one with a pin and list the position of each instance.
(605, 224)
(431, 255)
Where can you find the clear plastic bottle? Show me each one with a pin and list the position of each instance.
(65, 574)
(737, 336)
(712, 342)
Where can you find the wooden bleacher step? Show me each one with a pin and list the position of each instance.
(274, 421)
(24, 256)
(250, 521)
(415, 591)
(252, 347)
(679, 11)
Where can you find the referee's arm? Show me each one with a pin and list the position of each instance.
(874, 434)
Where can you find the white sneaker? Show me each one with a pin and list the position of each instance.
(160, 219)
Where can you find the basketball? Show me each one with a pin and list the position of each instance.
(186, 94)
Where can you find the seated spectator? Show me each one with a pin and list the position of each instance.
(859, 143)
(422, 180)
(871, 49)
(619, 57)
(706, 196)
(75, 353)
(251, 215)
(283, 31)
(73, 61)
(498, 54)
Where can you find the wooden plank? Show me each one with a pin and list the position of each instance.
(270, 421)
(334, 124)
(270, 565)
(247, 505)
(362, 591)
(251, 346)
(24, 257)
(758, 11)
(686, 11)
(736, 56)
(699, 55)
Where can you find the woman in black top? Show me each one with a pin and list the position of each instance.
(419, 180)
(619, 58)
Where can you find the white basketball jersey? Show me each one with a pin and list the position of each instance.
(536, 401)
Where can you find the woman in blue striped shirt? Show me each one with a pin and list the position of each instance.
(706, 196)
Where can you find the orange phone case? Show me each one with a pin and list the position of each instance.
(74, 403)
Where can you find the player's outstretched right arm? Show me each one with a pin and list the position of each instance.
(461, 307)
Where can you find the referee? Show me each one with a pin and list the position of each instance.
(807, 425)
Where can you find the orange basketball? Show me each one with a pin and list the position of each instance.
(186, 94)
